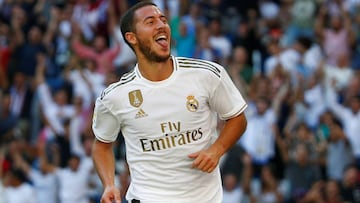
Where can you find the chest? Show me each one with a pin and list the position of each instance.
(165, 110)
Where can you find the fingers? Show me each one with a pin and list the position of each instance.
(204, 161)
(111, 195)
(104, 200)
(193, 155)
(117, 198)
(110, 200)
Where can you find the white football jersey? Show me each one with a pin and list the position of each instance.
(163, 122)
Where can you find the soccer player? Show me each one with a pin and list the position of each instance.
(166, 109)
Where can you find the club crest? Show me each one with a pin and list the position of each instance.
(192, 104)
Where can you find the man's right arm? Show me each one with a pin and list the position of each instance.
(103, 157)
(106, 128)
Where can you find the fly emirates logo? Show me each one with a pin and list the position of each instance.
(173, 137)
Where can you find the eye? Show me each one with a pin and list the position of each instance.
(164, 20)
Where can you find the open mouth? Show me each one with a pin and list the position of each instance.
(162, 40)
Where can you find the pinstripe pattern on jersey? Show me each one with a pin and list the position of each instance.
(198, 63)
(127, 77)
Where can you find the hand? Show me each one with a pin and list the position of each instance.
(205, 160)
(111, 194)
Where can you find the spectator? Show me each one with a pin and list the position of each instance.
(17, 189)
(240, 72)
(352, 89)
(239, 66)
(8, 119)
(247, 175)
(311, 55)
(302, 135)
(44, 182)
(302, 20)
(246, 37)
(59, 33)
(258, 140)
(332, 192)
(336, 39)
(103, 55)
(338, 154)
(274, 50)
(90, 15)
(350, 187)
(55, 108)
(219, 41)
(300, 173)
(29, 51)
(21, 94)
(293, 59)
(349, 116)
(204, 50)
(338, 75)
(268, 190)
(232, 190)
(212, 9)
(86, 82)
(193, 20)
(73, 179)
(184, 42)
(313, 101)
(288, 59)
(125, 58)
(314, 194)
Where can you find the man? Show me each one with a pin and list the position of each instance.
(166, 109)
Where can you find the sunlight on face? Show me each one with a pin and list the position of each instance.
(152, 34)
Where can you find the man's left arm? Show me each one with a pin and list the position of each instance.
(229, 104)
(208, 159)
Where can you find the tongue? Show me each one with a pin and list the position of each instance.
(162, 43)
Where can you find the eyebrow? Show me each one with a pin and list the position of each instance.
(152, 17)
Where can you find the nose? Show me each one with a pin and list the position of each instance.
(160, 24)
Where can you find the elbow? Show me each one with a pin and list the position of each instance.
(94, 147)
(243, 122)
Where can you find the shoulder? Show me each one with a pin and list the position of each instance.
(124, 80)
(200, 65)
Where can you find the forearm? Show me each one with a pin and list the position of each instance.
(103, 158)
(230, 134)
(83, 51)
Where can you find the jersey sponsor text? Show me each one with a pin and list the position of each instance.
(171, 141)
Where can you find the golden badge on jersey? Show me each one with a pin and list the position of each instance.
(135, 98)
(192, 104)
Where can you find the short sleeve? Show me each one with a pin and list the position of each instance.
(105, 125)
(226, 99)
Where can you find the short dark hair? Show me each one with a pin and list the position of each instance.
(127, 20)
(305, 41)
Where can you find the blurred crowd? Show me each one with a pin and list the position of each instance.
(297, 63)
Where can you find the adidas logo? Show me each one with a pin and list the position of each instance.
(140, 114)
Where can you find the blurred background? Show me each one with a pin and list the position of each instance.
(297, 63)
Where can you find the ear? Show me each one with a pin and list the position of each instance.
(130, 37)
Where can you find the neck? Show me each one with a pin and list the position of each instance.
(155, 71)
